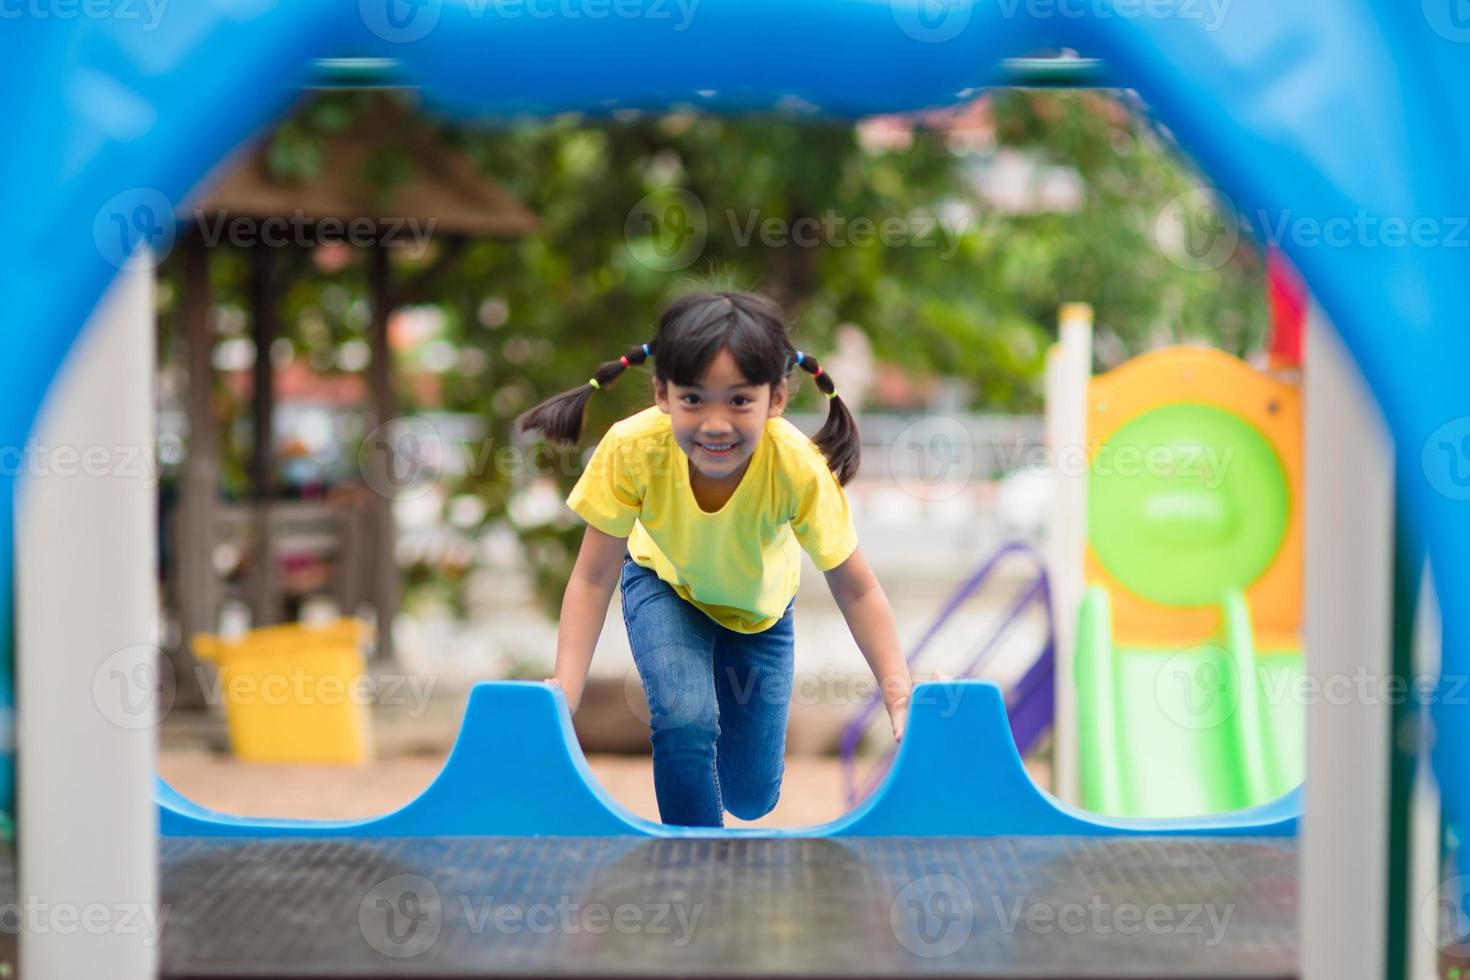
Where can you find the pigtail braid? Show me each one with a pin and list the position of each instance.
(560, 417)
(838, 438)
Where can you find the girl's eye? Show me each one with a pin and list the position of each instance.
(690, 399)
(742, 400)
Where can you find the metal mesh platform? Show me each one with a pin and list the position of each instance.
(995, 907)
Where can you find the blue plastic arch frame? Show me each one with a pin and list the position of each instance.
(544, 785)
(1308, 119)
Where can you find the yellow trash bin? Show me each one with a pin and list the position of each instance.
(295, 693)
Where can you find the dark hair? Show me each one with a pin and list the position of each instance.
(691, 331)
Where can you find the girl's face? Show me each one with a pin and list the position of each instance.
(719, 421)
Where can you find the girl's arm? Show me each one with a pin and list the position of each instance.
(584, 609)
(865, 607)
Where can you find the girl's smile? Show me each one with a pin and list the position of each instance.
(718, 450)
(719, 421)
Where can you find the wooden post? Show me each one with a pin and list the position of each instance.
(383, 580)
(264, 597)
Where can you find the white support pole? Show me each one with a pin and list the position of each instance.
(87, 634)
(1347, 619)
(1424, 833)
(1068, 370)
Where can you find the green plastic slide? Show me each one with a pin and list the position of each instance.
(1171, 732)
(1187, 728)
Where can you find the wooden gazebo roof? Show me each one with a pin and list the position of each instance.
(445, 192)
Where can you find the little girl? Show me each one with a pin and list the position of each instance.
(696, 506)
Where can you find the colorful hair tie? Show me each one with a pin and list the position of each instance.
(832, 394)
(818, 372)
(624, 359)
(799, 358)
(646, 351)
(593, 382)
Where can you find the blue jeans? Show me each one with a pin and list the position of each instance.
(717, 703)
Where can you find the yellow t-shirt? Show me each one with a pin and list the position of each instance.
(741, 563)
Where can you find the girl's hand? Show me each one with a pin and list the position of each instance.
(898, 714)
(898, 708)
(573, 697)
